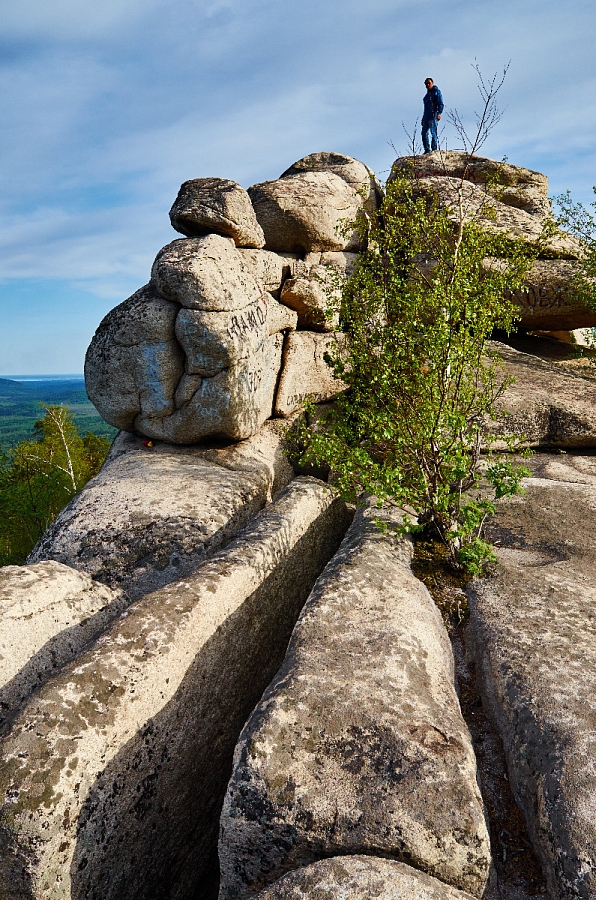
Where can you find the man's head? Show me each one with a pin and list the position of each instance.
(429, 83)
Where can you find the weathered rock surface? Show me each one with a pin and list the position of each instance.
(134, 361)
(493, 215)
(513, 185)
(360, 878)
(303, 212)
(309, 296)
(314, 291)
(204, 366)
(197, 354)
(355, 173)
(533, 634)
(207, 205)
(550, 301)
(305, 374)
(152, 516)
(213, 341)
(206, 273)
(270, 269)
(546, 405)
(112, 777)
(358, 745)
(48, 613)
(233, 403)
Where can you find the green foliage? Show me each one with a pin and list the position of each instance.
(581, 222)
(416, 315)
(19, 408)
(38, 477)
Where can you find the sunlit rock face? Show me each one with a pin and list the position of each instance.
(234, 325)
(511, 201)
(198, 351)
(216, 206)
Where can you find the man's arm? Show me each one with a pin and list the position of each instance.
(439, 105)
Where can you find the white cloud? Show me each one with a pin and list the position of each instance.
(108, 107)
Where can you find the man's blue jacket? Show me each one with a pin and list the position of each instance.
(433, 104)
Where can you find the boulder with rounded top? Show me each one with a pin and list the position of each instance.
(304, 212)
(216, 205)
(355, 173)
(134, 362)
(360, 878)
(206, 366)
(205, 273)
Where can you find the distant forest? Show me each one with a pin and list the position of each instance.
(20, 409)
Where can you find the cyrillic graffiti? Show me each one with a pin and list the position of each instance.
(247, 321)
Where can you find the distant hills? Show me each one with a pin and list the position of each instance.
(20, 409)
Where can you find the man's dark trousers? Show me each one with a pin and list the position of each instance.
(429, 125)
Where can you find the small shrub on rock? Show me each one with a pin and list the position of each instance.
(416, 315)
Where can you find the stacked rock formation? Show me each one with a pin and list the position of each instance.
(216, 677)
(231, 328)
(236, 319)
(512, 201)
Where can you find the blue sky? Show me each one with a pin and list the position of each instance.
(107, 107)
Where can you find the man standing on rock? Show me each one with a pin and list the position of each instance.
(433, 107)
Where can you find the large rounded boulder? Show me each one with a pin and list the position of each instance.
(196, 354)
(513, 185)
(216, 206)
(134, 362)
(307, 212)
(355, 173)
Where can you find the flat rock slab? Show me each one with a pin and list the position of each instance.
(207, 205)
(547, 405)
(358, 745)
(48, 614)
(533, 636)
(305, 374)
(152, 516)
(112, 777)
(360, 878)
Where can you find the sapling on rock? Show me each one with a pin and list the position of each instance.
(416, 315)
(38, 477)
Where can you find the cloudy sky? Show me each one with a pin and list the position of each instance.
(108, 106)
